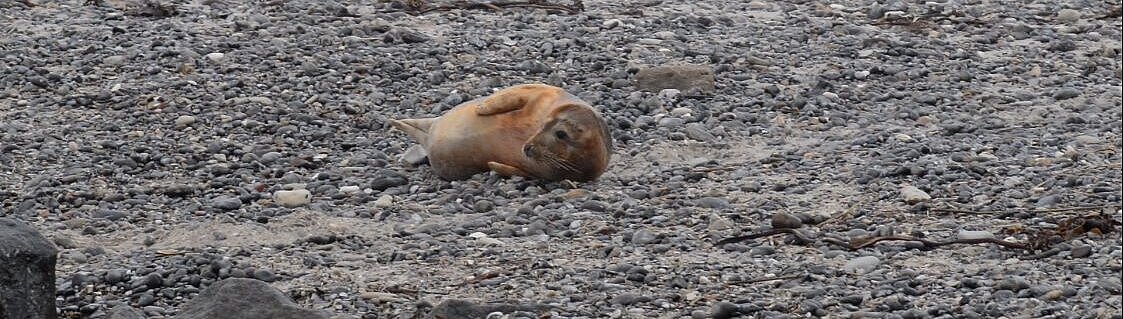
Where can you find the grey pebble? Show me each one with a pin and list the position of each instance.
(629, 299)
(116, 275)
(724, 310)
(782, 220)
(226, 203)
(644, 237)
(712, 202)
(1081, 251)
(1014, 284)
(861, 265)
(1066, 93)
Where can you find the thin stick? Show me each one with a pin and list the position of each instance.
(576, 7)
(867, 242)
(758, 280)
(767, 233)
(1052, 210)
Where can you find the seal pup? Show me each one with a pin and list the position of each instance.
(529, 130)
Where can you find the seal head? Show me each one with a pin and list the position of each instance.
(530, 130)
(562, 146)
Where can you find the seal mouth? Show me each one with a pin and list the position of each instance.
(550, 158)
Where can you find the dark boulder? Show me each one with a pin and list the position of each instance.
(27, 272)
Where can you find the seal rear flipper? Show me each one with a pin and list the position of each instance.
(418, 129)
(507, 170)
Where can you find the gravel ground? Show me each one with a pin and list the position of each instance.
(148, 143)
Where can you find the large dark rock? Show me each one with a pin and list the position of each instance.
(464, 309)
(243, 298)
(27, 272)
(688, 78)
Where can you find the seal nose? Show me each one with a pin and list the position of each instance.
(528, 150)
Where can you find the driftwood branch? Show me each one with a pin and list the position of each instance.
(765, 279)
(575, 7)
(870, 241)
(767, 233)
(927, 244)
(1010, 212)
(1039, 240)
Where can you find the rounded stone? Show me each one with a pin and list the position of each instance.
(292, 198)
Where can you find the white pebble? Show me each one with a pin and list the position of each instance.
(384, 201)
(485, 239)
(669, 94)
(184, 121)
(665, 35)
(974, 234)
(216, 57)
(680, 111)
(293, 198)
(611, 23)
(1068, 15)
(903, 137)
(114, 60)
(913, 195)
(349, 189)
(861, 265)
(861, 74)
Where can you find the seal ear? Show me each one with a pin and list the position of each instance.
(418, 129)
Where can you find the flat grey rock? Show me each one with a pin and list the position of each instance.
(242, 298)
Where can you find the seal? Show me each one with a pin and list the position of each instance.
(530, 130)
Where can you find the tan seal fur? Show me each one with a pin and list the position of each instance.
(530, 130)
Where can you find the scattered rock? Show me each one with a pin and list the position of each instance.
(712, 202)
(115, 60)
(464, 309)
(226, 203)
(698, 132)
(1068, 15)
(861, 265)
(1081, 251)
(384, 201)
(1066, 93)
(724, 310)
(685, 78)
(243, 298)
(1014, 284)
(625, 299)
(415, 155)
(913, 195)
(184, 121)
(785, 221)
(644, 237)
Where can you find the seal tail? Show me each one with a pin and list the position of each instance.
(418, 129)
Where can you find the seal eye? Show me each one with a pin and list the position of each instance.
(561, 135)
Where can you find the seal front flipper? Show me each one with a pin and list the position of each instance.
(418, 129)
(507, 170)
(511, 99)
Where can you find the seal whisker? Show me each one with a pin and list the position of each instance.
(561, 162)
